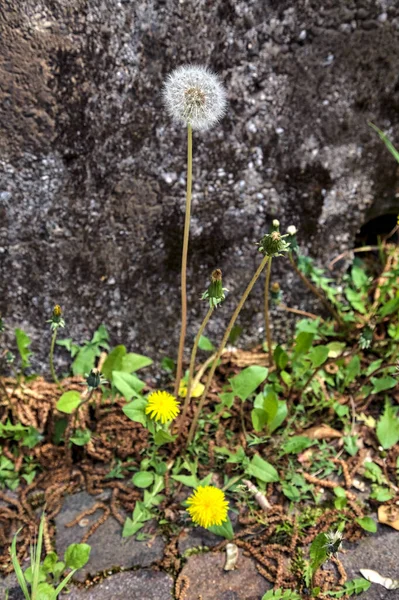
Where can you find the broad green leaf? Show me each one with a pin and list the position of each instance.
(281, 357)
(381, 494)
(136, 411)
(262, 470)
(131, 527)
(388, 427)
(356, 300)
(390, 307)
(77, 555)
(69, 402)
(133, 362)
(318, 355)
(318, 552)
(303, 342)
(367, 523)
(50, 562)
(206, 344)
(335, 349)
(247, 381)
(291, 491)
(163, 437)
(259, 419)
(143, 479)
(23, 343)
(282, 412)
(28, 573)
(128, 385)
(45, 591)
(296, 444)
(224, 530)
(188, 480)
(84, 360)
(114, 361)
(380, 384)
(352, 370)
(81, 437)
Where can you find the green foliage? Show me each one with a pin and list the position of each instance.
(247, 381)
(281, 594)
(367, 523)
(145, 510)
(43, 578)
(388, 426)
(23, 343)
(69, 402)
(355, 586)
(85, 355)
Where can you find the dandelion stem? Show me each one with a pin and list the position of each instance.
(314, 290)
(179, 368)
(267, 319)
(222, 346)
(192, 365)
(53, 374)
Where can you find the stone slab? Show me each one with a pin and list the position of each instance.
(108, 549)
(208, 579)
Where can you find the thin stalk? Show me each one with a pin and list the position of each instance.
(179, 368)
(315, 291)
(192, 365)
(222, 346)
(53, 338)
(267, 319)
(303, 313)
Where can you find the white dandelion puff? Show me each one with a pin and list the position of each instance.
(194, 96)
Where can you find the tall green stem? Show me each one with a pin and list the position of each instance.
(179, 368)
(267, 319)
(315, 291)
(222, 346)
(192, 365)
(54, 376)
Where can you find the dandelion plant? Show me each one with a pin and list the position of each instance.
(195, 98)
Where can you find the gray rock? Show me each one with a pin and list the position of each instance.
(208, 579)
(93, 171)
(137, 585)
(108, 549)
(379, 552)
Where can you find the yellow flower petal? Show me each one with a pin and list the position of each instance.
(208, 506)
(162, 406)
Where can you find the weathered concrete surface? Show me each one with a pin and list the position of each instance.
(136, 585)
(208, 578)
(92, 183)
(108, 549)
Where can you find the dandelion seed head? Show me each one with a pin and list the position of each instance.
(194, 96)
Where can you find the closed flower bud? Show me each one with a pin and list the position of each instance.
(194, 96)
(95, 379)
(56, 318)
(292, 230)
(273, 244)
(215, 293)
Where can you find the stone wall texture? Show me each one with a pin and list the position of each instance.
(92, 171)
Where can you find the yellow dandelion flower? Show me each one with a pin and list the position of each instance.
(208, 506)
(162, 406)
(196, 391)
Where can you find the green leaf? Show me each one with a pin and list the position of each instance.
(84, 360)
(247, 381)
(318, 355)
(350, 444)
(386, 141)
(383, 383)
(69, 402)
(133, 362)
(45, 591)
(114, 361)
(81, 437)
(296, 444)
(335, 349)
(50, 562)
(356, 300)
(77, 555)
(352, 370)
(318, 552)
(28, 573)
(281, 415)
(205, 344)
(357, 586)
(262, 470)
(163, 437)
(188, 480)
(281, 357)
(281, 594)
(259, 419)
(131, 527)
(224, 530)
(390, 307)
(381, 494)
(303, 342)
(135, 411)
(291, 491)
(367, 523)
(128, 385)
(143, 479)
(388, 427)
(168, 364)
(23, 343)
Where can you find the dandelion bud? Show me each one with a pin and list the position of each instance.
(273, 244)
(215, 292)
(276, 223)
(95, 379)
(56, 318)
(292, 230)
(275, 292)
(194, 96)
